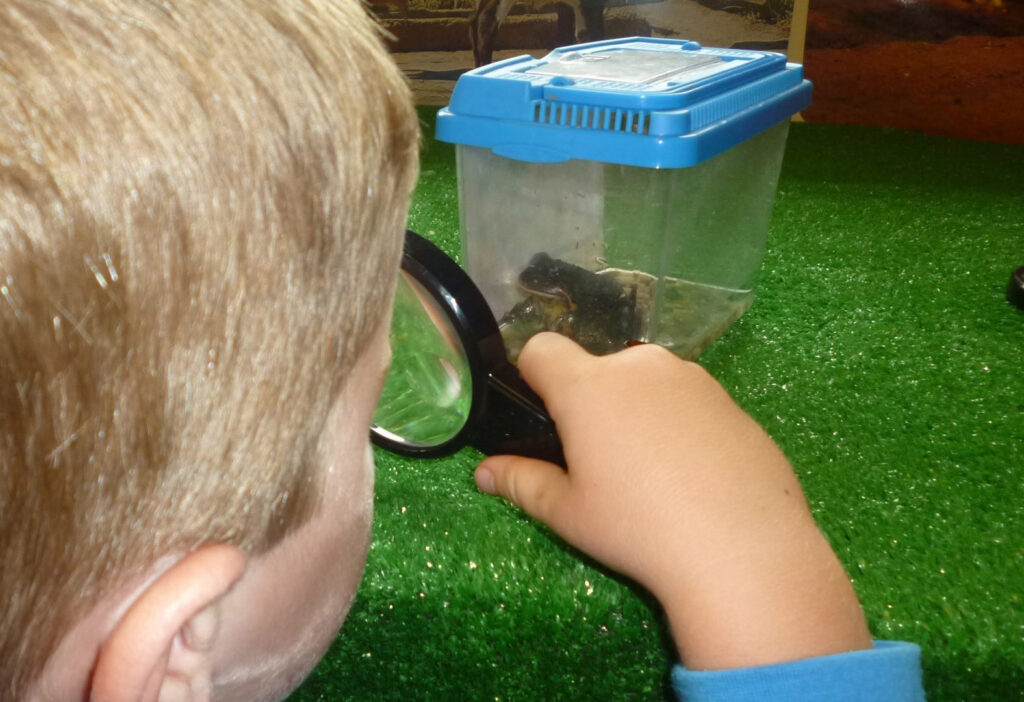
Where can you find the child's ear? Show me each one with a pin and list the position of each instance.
(157, 649)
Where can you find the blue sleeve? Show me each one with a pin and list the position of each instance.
(890, 672)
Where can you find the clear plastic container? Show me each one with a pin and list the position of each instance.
(620, 191)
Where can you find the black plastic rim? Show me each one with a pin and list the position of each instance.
(471, 317)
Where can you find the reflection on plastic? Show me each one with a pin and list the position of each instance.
(428, 391)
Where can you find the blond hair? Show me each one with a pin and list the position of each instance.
(201, 207)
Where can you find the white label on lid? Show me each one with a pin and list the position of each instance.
(633, 66)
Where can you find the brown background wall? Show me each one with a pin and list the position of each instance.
(947, 67)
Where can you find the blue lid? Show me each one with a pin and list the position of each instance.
(660, 103)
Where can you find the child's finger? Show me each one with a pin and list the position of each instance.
(538, 487)
(549, 362)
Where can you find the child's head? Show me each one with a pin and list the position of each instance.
(201, 210)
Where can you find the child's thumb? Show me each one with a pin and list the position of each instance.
(538, 487)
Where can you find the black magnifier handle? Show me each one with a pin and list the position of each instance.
(517, 421)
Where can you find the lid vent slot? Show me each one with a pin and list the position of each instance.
(563, 114)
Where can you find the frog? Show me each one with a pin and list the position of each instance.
(596, 310)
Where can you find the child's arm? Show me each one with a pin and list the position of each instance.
(673, 485)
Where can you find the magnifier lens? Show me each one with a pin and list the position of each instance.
(450, 383)
(429, 389)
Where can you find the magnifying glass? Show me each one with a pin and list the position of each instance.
(451, 384)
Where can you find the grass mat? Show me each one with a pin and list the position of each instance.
(882, 357)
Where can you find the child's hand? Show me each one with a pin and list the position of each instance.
(673, 485)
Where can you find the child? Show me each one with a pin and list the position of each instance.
(201, 209)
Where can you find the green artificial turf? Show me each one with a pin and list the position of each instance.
(882, 357)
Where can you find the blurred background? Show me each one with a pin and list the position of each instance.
(946, 67)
